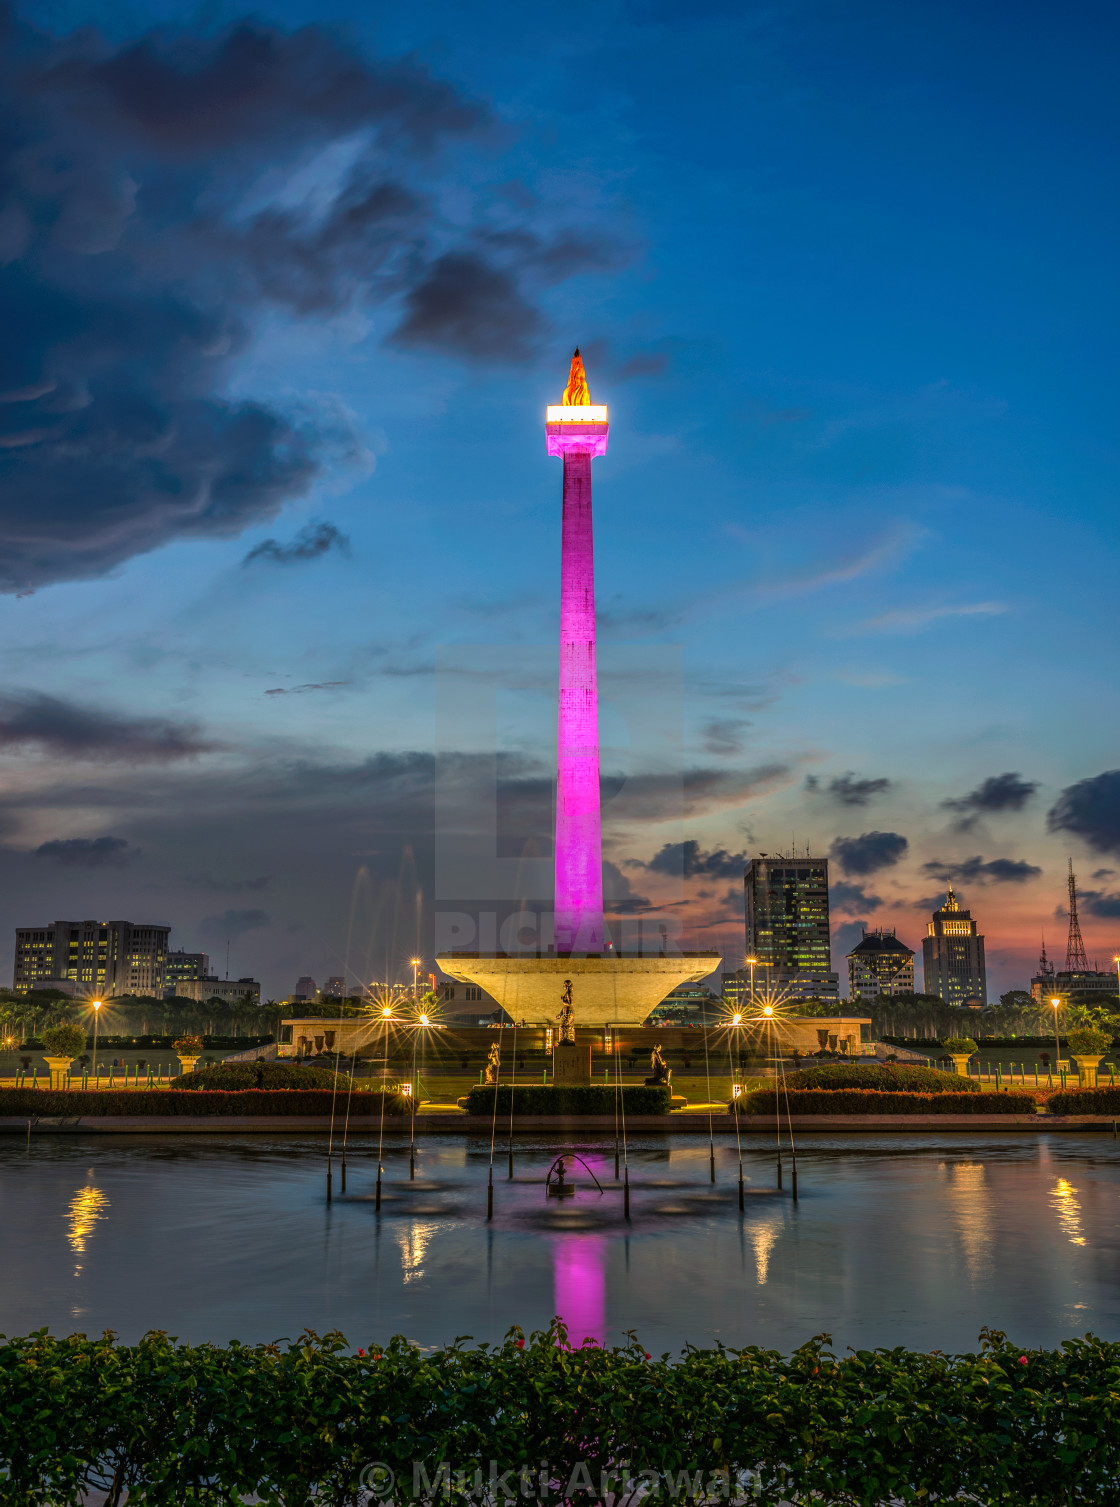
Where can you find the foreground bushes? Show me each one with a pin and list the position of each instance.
(1085, 1101)
(169, 1101)
(890, 1077)
(172, 1423)
(543, 1099)
(237, 1075)
(864, 1101)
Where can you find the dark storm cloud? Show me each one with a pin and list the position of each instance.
(869, 853)
(619, 896)
(145, 228)
(985, 871)
(852, 897)
(88, 852)
(850, 790)
(1091, 810)
(68, 730)
(1099, 903)
(998, 793)
(311, 542)
(688, 860)
(233, 923)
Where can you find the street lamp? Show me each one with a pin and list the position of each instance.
(96, 1003)
(1117, 962)
(751, 965)
(415, 975)
(1056, 1002)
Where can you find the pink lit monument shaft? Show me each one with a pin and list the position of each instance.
(579, 846)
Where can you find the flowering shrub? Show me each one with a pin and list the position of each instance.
(544, 1099)
(887, 1078)
(171, 1423)
(171, 1101)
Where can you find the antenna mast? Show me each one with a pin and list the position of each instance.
(1076, 961)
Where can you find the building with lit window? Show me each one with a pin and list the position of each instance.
(92, 958)
(229, 991)
(183, 966)
(953, 956)
(880, 964)
(787, 926)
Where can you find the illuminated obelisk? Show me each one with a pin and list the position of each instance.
(602, 985)
(577, 431)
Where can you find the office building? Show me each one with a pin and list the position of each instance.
(306, 988)
(229, 991)
(96, 958)
(787, 926)
(880, 964)
(953, 956)
(182, 966)
(335, 987)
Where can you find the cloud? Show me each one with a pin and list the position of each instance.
(688, 860)
(699, 791)
(619, 896)
(911, 619)
(88, 852)
(849, 789)
(232, 924)
(1102, 873)
(998, 793)
(228, 886)
(311, 542)
(724, 735)
(67, 730)
(1099, 903)
(162, 199)
(990, 871)
(302, 690)
(868, 853)
(1091, 810)
(851, 897)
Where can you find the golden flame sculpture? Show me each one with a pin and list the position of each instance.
(577, 393)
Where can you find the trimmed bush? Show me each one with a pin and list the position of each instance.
(234, 1076)
(544, 1099)
(166, 1101)
(959, 1044)
(64, 1041)
(892, 1077)
(1089, 1042)
(298, 1421)
(865, 1101)
(189, 1046)
(1085, 1101)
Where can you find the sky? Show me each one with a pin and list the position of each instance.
(285, 294)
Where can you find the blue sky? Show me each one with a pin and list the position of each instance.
(844, 275)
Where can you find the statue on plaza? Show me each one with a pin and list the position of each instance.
(493, 1063)
(660, 1072)
(567, 1030)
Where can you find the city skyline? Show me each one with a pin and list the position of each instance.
(857, 516)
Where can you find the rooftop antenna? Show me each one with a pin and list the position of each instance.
(227, 957)
(1045, 967)
(1076, 961)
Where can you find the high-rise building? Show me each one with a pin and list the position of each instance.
(183, 966)
(95, 957)
(306, 988)
(787, 925)
(335, 987)
(229, 991)
(880, 964)
(953, 956)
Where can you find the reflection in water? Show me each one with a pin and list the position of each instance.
(763, 1237)
(580, 1286)
(969, 1201)
(414, 1240)
(86, 1208)
(1064, 1201)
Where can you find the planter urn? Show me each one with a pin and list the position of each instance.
(187, 1063)
(960, 1062)
(59, 1069)
(1086, 1070)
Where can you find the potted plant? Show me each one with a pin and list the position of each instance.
(62, 1044)
(1087, 1046)
(188, 1049)
(959, 1049)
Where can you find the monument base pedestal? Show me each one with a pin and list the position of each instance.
(571, 1065)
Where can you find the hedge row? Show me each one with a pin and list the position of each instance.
(889, 1077)
(238, 1075)
(865, 1101)
(545, 1099)
(169, 1101)
(1085, 1101)
(308, 1421)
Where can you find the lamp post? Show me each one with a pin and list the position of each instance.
(1056, 1002)
(751, 965)
(415, 976)
(96, 1003)
(1116, 960)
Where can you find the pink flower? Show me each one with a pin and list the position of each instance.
(361, 1351)
(646, 1354)
(1022, 1360)
(521, 1344)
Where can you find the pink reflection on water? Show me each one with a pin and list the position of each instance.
(580, 1274)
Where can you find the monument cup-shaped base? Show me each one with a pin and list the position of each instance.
(571, 1064)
